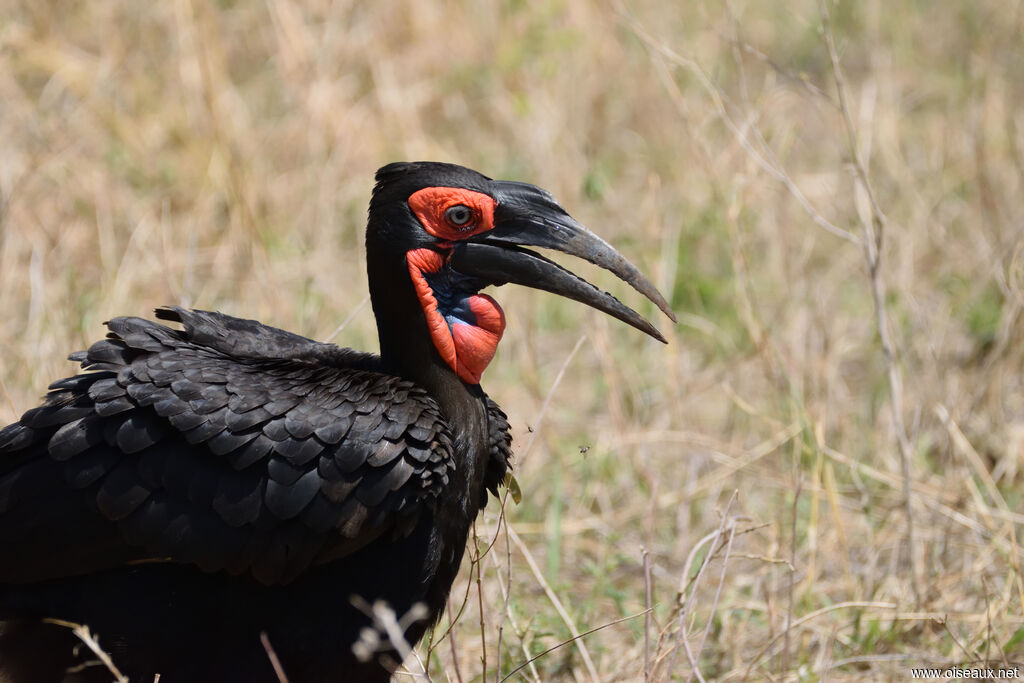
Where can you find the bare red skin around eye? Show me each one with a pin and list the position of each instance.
(431, 203)
(467, 349)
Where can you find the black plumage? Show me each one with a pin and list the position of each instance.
(193, 488)
(290, 472)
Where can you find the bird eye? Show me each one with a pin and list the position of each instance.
(459, 215)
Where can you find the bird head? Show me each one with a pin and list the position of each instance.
(457, 231)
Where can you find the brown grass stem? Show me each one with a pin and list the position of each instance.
(91, 641)
(569, 622)
(874, 231)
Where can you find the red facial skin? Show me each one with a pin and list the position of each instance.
(431, 203)
(466, 348)
(475, 345)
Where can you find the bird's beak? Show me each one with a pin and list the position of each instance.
(529, 216)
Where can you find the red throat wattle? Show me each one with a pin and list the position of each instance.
(467, 335)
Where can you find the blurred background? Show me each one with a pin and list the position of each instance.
(754, 481)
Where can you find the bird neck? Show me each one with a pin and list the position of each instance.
(407, 350)
(406, 346)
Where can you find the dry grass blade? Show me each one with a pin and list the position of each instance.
(571, 640)
(348, 319)
(539, 420)
(272, 655)
(810, 617)
(691, 584)
(83, 633)
(387, 633)
(557, 604)
(506, 595)
(646, 560)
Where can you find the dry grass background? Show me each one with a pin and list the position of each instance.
(220, 154)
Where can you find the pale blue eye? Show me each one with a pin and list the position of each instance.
(459, 215)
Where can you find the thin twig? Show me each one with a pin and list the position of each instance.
(646, 559)
(506, 591)
(476, 565)
(691, 598)
(944, 622)
(684, 585)
(721, 583)
(454, 647)
(274, 660)
(874, 231)
(789, 75)
(790, 585)
(452, 620)
(691, 585)
(386, 623)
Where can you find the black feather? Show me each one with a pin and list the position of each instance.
(145, 394)
(105, 389)
(139, 430)
(281, 403)
(170, 405)
(53, 414)
(299, 452)
(110, 351)
(256, 450)
(275, 429)
(298, 428)
(75, 437)
(121, 492)
(227, 441)
(24, 483)
(187, 390)
(114, 406)
(334, 431)
(16, 436)
(351, 455)
(288, 500)
(283, 471)
(386, 452)
(238, 422)
(206, 430)
(85, 469)
(187, 420)
(239, 497)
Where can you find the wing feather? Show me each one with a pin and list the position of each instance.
(228, 444)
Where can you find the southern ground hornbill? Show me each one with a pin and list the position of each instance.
(193, 488)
